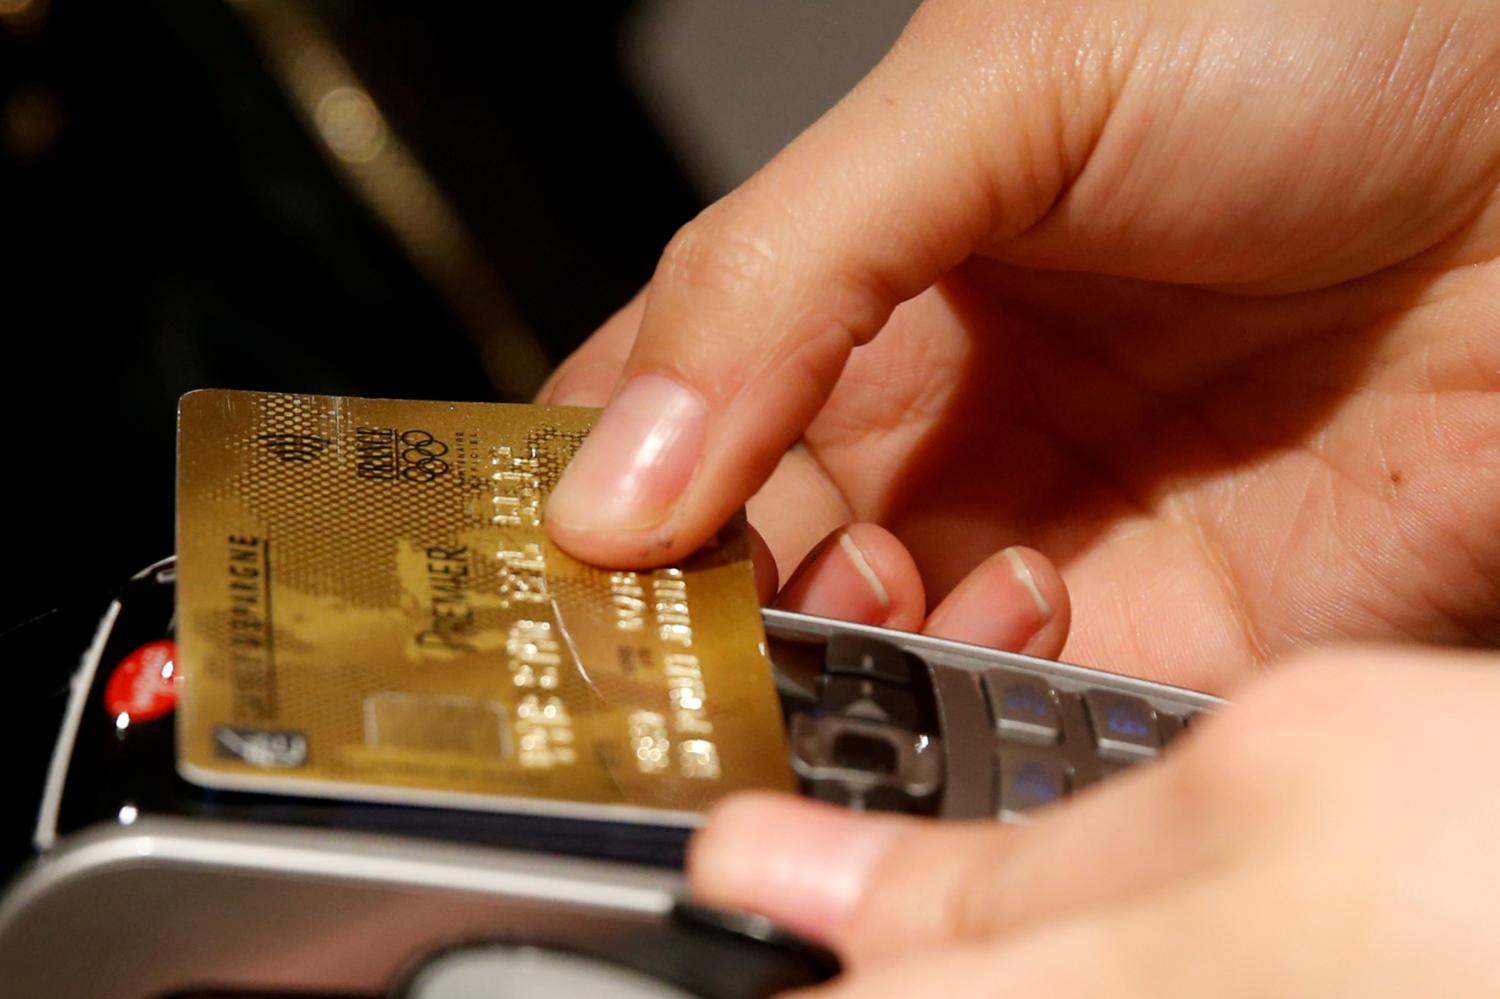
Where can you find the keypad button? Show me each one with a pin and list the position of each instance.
(863, 756)
(1024, 708)
(872, 699)
(856, 655)
(1125, 727)
(1029, 781)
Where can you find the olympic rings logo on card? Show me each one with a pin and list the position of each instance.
(385, 453)
(422, 456)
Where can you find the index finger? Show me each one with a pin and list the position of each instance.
(758, 302)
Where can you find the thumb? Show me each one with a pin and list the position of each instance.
(878, 885)
(955, 140)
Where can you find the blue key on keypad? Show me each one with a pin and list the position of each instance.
(1027, 782)
(1024, 708)
(1125, 727)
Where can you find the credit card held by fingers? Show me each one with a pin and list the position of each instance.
(395, 698)
(369, 608)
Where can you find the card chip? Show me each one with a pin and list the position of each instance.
(436, 724)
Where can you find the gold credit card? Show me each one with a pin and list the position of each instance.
(368, 607)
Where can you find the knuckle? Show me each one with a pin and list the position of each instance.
(746, 251)
(718, 255)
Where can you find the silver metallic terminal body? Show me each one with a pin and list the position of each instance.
(163, 905)
(153, 905)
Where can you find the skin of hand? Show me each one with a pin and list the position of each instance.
(1199, 298)
(1331, 835)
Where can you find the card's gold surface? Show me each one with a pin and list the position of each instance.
(369, 607)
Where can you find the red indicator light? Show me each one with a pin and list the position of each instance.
(144, 684)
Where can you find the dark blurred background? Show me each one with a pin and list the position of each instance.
(431, 200)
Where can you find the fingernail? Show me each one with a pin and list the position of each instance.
(1022, 572)
(636, 462)
(807, 866)
(839, 582)
(856, 558)
(999, 605)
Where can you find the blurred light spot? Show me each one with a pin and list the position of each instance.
(23, 16)
(128, 814)
(31, 121)
(350, 124)
(122, 721)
